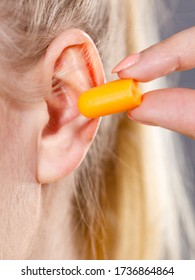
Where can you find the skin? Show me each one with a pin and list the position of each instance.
(171, 108)
(27, 202)
(42, 143)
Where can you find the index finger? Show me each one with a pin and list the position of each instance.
(176, 53)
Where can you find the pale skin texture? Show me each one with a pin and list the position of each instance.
(41, 143)
(33, 155)
(170, 108)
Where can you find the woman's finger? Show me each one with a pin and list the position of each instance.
(173, 54)
(173, 109)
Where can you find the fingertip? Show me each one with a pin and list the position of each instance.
(126, 63)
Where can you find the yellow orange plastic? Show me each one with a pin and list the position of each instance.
(114, 97)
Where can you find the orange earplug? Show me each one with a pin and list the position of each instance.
(114, 97)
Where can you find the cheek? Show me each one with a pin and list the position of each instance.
(8, 142)
(20, 198)
(18, 143)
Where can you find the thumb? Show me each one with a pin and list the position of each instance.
(169, 108)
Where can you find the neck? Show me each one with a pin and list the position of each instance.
(37, 223)
(55, 235)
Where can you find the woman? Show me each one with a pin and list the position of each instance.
(52, 206)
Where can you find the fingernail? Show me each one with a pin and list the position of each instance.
(140, 122)
(126, 63)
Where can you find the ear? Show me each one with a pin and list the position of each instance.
(72, 65)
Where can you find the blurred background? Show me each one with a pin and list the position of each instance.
(174, 16)
(179, 15)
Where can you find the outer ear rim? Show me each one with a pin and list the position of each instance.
(65, 40)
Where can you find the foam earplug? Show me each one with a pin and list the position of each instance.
(113, 97)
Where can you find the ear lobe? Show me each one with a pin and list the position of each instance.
(73, 66)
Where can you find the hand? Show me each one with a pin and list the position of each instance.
(172, 108)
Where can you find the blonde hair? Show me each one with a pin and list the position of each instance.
(115, 206)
